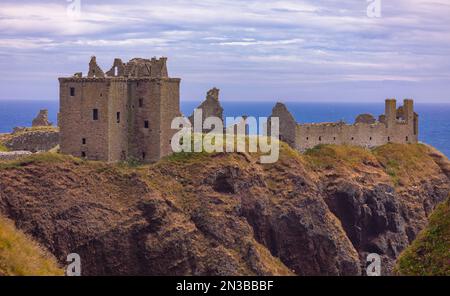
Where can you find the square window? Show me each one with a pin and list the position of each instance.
(83, 154)
(141, 103)
(146, 124)
(83, 141)
(72, 91)
(95, 114)
(118, 117)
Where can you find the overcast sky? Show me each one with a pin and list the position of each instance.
(252, 50)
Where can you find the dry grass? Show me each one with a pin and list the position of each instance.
(3, 148)
(38, 158)
(333, 156)
(403, 162)
(19, 255)
(429, 254)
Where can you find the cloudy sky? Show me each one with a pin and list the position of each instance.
(252, 50)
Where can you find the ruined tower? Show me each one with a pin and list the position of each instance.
(122, 114)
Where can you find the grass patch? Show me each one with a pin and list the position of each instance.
(37, 129)
(21, 256)
(429, 254)
(3, 148)
(332, 156)
(38, 158)
(403, 161)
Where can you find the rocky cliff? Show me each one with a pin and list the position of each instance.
(226, 214)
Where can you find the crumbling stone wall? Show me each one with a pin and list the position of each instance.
(41, 119)
(32, 140)
(210, 107)
(395, 126)
(14, 155)
(94, 69)
(288, 125)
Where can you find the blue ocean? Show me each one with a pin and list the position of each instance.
(434, 127)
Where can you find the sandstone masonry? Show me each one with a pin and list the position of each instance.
(124, 113)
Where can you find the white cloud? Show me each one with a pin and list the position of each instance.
(299, 40)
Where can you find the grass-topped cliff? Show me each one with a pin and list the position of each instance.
(429, 254)
(20, 255)
(317, 213)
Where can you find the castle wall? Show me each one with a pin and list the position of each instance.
(76, 120)
(143, 100)
(398, 126)
(118, 123)
(169, 109)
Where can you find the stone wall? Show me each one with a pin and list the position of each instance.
(396, 126)
(28, 139)
(80, 134)
(14, 155)
(41, 119)
(288, 125)
(210, 107)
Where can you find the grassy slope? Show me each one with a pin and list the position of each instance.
(3, 148)
(19, 255)
(429, 254)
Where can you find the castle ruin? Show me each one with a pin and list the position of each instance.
(396, 125)
(119, 115)
(126, 113)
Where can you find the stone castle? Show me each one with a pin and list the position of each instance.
(122, 114)
(126, 113)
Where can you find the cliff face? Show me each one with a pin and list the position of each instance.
(226, 214)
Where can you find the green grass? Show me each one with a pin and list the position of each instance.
(429, 254)
(332, 156)
(21, 256)
(403, 161)
(3, 148)
(38, 158)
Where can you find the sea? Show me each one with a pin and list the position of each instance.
(434, 118)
